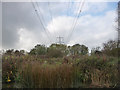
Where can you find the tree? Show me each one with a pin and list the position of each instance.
(17, 52)
(111, 48)
(78, 49)
(32, 52)
(38, 50)
(22, 52)
(55, 53)
(9, 52)
(94, 50)
(57, 50)
(84, 50)
(75, 50)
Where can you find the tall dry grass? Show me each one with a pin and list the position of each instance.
(85, 71)
(36, 75)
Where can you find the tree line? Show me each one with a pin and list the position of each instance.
(110, 48)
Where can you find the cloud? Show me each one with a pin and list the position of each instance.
(23, 30)
(60, 25)
(87, 7)
(28, 39)
(96, 30)
(14, 17)
(95, 7)
(90, 30)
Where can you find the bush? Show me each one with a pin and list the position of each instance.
(84, 71)
(9, 68)
(55, 53)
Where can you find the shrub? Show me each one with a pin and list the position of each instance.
(84, 71)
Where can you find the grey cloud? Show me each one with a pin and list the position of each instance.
(22, 15)
(16, 16)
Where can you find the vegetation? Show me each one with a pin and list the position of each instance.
(61, 66)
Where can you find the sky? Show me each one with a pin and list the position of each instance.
(22, 27)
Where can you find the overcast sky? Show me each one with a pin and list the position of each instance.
(21, 27)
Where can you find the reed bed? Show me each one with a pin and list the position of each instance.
(85, 71)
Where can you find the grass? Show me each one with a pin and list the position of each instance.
(83, 71)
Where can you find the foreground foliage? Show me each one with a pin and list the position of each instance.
(84, 71)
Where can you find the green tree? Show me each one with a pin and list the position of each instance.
(84, 50)
(57, 50)
(39, 50)
(22, 52)
(9, 52)
(78, 49)
(17, 52)
(32, 51)
(111, 48)
(94, 50)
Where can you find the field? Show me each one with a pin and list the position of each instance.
(31, 71)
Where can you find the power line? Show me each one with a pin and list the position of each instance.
(43, 18)
(70, 35)
(73, 22)
(68, 8)
(40, 12)
(51, 16)
(40, 20)
(55, 33)
(67, 14)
